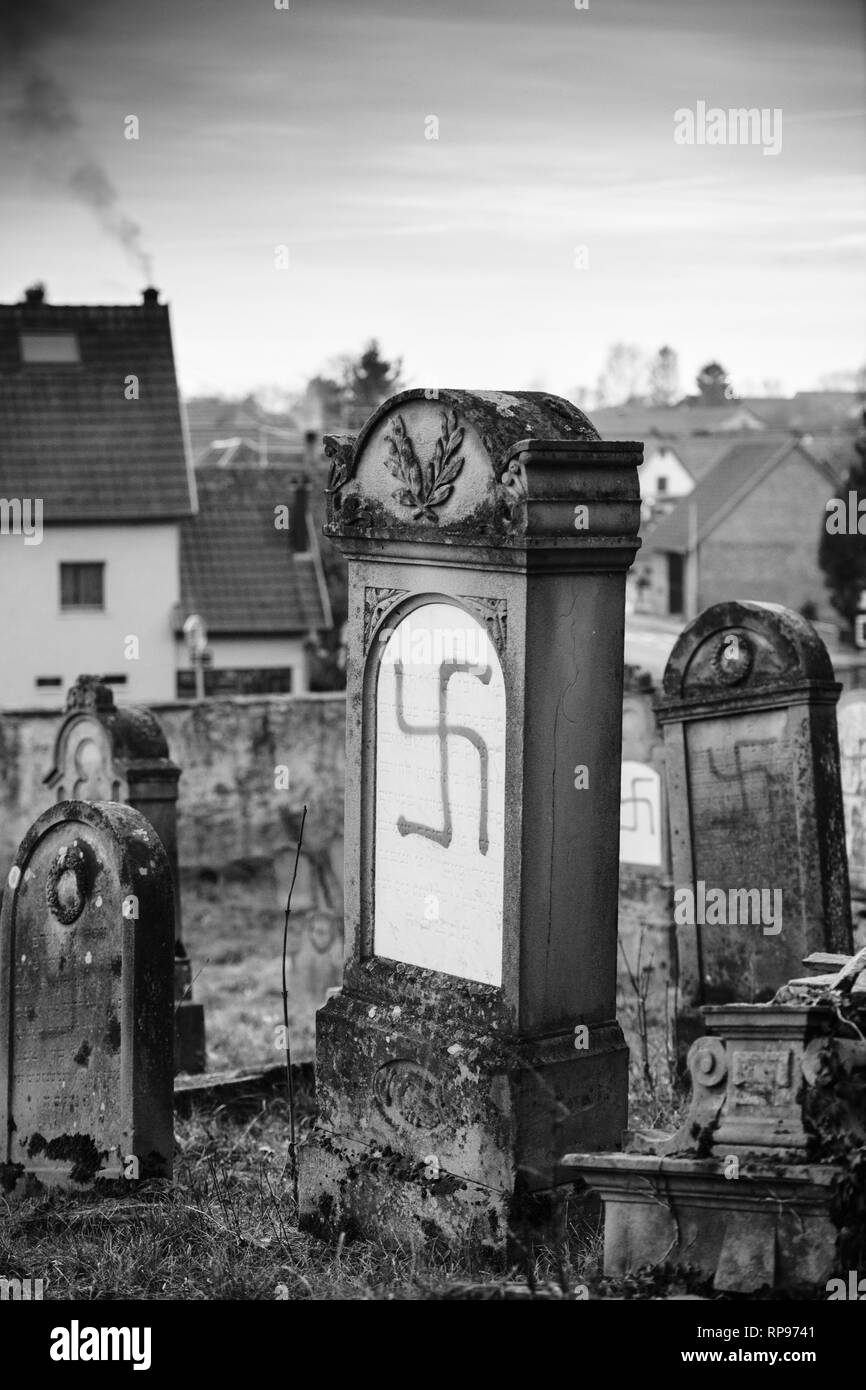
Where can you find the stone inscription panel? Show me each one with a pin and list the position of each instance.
(745, 834)
(440, 796)
(852, 752)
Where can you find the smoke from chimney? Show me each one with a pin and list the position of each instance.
(40, 114)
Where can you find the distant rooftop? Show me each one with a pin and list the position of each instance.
(237, 570)
(69, 434)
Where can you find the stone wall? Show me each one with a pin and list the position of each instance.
(231, 807)
(236, 824)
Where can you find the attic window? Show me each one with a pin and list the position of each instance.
(38, 348)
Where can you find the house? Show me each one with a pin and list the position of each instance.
(226, 433)
(251, 568)
(92, 443)
(749, 529)
(680, 443)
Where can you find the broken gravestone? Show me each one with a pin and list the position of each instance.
(103, 753)
(86, 1028)
(488, 537)
(756, 816)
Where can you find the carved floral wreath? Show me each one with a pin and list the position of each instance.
(425, 486)
(67, 907)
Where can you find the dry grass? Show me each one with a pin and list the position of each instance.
(226, 1230)
(234, 939)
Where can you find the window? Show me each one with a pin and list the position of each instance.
(276, 680)
(82, 585)
(662, 484)
(42, 681)
(49, 347)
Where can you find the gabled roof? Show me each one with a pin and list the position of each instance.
(698, 453)
(808, 410)
(236, 569)
(69, 435)
(622, 422)
(740, 470)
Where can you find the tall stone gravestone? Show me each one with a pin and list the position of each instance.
(86, 961)
(757, 826)
(105, 753)
(488, 537)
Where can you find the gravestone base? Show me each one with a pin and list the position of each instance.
(769, 1228)
(435, 1124)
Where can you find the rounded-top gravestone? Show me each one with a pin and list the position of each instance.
(86, 1001)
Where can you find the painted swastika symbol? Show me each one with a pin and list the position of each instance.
(441, 730)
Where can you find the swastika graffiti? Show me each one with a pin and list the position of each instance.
(441, 730)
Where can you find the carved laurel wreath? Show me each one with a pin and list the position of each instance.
(425, 486)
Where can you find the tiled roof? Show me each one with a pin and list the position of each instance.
(836, 450)
(733, 477)
(67, 432)
(808, 410)
(639, 421)
(701, 452)
(236, 569)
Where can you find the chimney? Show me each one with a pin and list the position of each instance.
(149, 296)
(35, 294)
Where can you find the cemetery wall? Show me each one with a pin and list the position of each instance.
(231, 812)
(230, 806)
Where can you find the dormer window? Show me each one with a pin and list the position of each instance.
(42, 349)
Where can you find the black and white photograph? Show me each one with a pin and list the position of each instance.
(432, 674)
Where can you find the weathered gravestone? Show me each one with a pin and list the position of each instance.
(852, 750)
(757, 826)
(488, 537)
(86, 1030)
(105, 753)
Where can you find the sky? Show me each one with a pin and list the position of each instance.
(306, 128)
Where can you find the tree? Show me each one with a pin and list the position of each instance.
(713, 385)
(664, 377)
(367, 381)
(623, 377)
(843, 557)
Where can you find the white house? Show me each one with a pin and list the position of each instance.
(92, 445)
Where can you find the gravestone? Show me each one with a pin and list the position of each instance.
(86, 1032)
(643, 832)
(749, 717)
(852, 750)
(105, 753)
(488, 537)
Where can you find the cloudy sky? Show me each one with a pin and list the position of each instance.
(306, 128)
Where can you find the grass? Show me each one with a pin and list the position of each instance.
(226, 1230)
(234, 940)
